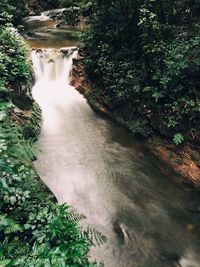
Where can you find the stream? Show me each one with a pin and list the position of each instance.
(89, 162)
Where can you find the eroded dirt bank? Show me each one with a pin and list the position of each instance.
(184, 159)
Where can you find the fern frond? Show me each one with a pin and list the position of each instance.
(74, 216)
(9, 226)
(5, 263)
(21, 148)
(96, 237)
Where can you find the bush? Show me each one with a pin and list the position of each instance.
(146, 54)
(14, 65)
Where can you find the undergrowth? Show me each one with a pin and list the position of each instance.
(34, 230)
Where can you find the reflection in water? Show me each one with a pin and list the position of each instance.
(42, 32)
(98, 168)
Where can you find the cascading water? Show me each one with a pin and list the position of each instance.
(53, 64)
(100, 170)
(52, 73)
(42, 31)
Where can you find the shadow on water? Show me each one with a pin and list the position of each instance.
(92, 164)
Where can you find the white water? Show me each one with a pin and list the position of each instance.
(99, 169)
(53, 64)
(52, 72)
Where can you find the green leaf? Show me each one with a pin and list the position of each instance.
(178, 138)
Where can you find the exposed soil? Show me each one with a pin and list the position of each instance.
(184, 160)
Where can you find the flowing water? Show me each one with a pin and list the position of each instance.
(42, 31)
(95, 166)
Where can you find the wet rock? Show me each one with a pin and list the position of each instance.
(24, 102)
(79, 80)
(30, 34)
(39, 51)
(32, 13)
(4, 94)
(64, 51)
(58, 26)
(55, 14)
(20, 94)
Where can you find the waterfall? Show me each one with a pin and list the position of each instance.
(52, 88)
(53, 64)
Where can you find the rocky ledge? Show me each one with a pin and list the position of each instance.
(184, 159)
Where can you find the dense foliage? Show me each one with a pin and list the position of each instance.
(12, 11)
(144, 57)
(36, 6)
(75, 11)
(14, 66)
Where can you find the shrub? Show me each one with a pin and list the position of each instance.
(146, 54)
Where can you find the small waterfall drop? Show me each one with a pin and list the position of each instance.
(53, 64)
(52, 88)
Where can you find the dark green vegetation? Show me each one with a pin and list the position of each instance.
(21, 8)
(143, 58)
(15, 70)
(13, 11)
(34, 230)
(74, 11)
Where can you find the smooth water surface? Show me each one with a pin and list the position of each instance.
(42, 32)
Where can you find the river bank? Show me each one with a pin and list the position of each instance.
(183, 159)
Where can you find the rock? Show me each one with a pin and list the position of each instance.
(65, 51)
(79, 79)
(30, 34)
(32, 13)
(22, 101)
(58, 26)
(38, 50)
